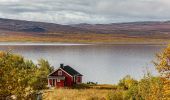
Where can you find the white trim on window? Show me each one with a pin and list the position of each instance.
(60, 73)
(65, 72)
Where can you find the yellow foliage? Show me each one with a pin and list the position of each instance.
(163, 66)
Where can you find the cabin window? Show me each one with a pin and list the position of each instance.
(78, 79)
(60, 73)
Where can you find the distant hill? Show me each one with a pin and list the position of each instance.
(30, 26)
(131, 28)
(30, 30)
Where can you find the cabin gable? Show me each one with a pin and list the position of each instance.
(61, 73)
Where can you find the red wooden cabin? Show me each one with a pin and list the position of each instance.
(64, 76)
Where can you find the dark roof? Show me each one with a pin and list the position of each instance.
(70, 70)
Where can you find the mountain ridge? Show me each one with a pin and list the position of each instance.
(145, 27)
(23, 30)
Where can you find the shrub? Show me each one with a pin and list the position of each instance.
(151, 88)
(115, 95)
(126, 82)
(19, 77)
(16, 75)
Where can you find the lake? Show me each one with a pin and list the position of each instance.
(105, 64)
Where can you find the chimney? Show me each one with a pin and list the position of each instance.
(61, 65)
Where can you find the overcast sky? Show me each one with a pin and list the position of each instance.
(86, 11)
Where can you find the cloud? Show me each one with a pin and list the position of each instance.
(85, 11)
(3, 1)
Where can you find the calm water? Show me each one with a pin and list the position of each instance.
(98, 63)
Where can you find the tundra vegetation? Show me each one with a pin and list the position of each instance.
(22, 78)
(84, 38)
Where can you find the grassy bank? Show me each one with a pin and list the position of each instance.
(84, 38)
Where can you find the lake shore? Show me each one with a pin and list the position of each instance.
(75, 44)
(83, 39)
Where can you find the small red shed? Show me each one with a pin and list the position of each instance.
(64, 76)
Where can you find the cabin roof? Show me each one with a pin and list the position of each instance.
(70, 70)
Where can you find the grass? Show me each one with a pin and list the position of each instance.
(94, 86)
(76, 94)
(83, 38)
(80, 92)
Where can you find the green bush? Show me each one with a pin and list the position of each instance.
(127, 82)
(132, 93)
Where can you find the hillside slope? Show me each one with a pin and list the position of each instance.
(20, 30)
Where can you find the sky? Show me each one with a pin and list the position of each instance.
(86, 11)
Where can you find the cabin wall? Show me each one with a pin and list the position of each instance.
(60, 84)
(68, 79)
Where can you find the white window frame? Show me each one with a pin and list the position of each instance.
(60, 73)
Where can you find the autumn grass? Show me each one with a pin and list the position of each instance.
(82, 92)
(76, 94)
(84, 38)
(95, 86)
